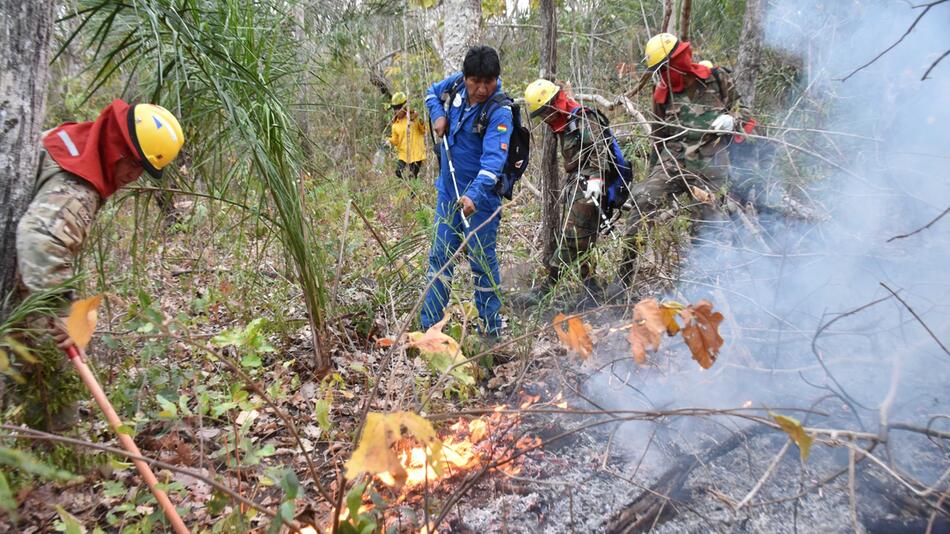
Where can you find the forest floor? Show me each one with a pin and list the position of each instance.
(540, 440)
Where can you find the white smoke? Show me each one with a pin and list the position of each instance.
(889, 135)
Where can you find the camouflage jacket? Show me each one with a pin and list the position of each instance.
(695, 109)
(585, 146)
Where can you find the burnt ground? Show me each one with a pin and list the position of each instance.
(585, 483)
(672, 475)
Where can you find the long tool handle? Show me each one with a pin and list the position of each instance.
(128, 444)
(458, 197)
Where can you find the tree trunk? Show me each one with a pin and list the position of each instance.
(667, 16)
(550, 177)
(685, 15)
(25, 30)
(461, 27)
(750, 50)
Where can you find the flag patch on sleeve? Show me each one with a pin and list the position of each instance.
(502, 128)
(504, 146)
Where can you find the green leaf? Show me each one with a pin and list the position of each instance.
(7, 501)
(112, 489)
(73, 526)
(219, 409)
(183, 406)
(168, 407)
(125, 429)
(354, 499)
(290, 485)
(119, 465)
(252, 361)
(17, 459)
(323, 412)
(265, 451)
(4, 361)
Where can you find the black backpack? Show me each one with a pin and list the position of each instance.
(519, 147)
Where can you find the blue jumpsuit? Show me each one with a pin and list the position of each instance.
(479, 160)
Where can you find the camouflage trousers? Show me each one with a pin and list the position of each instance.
(580, 228)
(54, 227)
(668, 178)
(48, 240)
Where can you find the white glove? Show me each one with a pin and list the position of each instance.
(595, 188)
(724, 123)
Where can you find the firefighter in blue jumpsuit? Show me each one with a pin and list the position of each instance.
(478, 158)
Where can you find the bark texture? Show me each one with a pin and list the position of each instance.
(461, 28)
(750, 50)
(550, 177)
(25, 30)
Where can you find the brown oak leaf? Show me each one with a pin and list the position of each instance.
(650, 320)
(577, 335)
(701, 332)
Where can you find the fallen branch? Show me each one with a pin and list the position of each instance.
(765, 476)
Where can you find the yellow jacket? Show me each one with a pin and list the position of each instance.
(415, 140)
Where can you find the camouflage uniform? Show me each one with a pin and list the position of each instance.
(48, 240)
(55, 225)
(585, 148)
(684, 157)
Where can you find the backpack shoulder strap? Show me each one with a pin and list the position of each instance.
(449, 95)
(494, 102)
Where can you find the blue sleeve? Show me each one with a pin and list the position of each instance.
(494, 154)
(434, 95)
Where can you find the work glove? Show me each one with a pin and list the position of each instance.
(595, 188)
(724, 123)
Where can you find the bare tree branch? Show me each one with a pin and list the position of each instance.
(934, 64)
(927, 8)
(919, 320)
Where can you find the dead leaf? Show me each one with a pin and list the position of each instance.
(701, 195)
(650, 320)
(701, 332)
(442, 352)
(577, 335)
(375, 455)
(81, 322)
(794, 429)
(385, 342)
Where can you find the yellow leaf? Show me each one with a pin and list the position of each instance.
(794, 429)
(668, 311)
(81, 322)
(577, 335)
(442, 352)
(374, 453)
(701, 332)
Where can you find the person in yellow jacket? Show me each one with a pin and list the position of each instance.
(408, 136)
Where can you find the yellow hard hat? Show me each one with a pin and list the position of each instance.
(538, 94)
(706, 63)
(157, 135)
(398, 99)
(658, 49)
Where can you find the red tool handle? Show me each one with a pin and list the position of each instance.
(76, 356)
